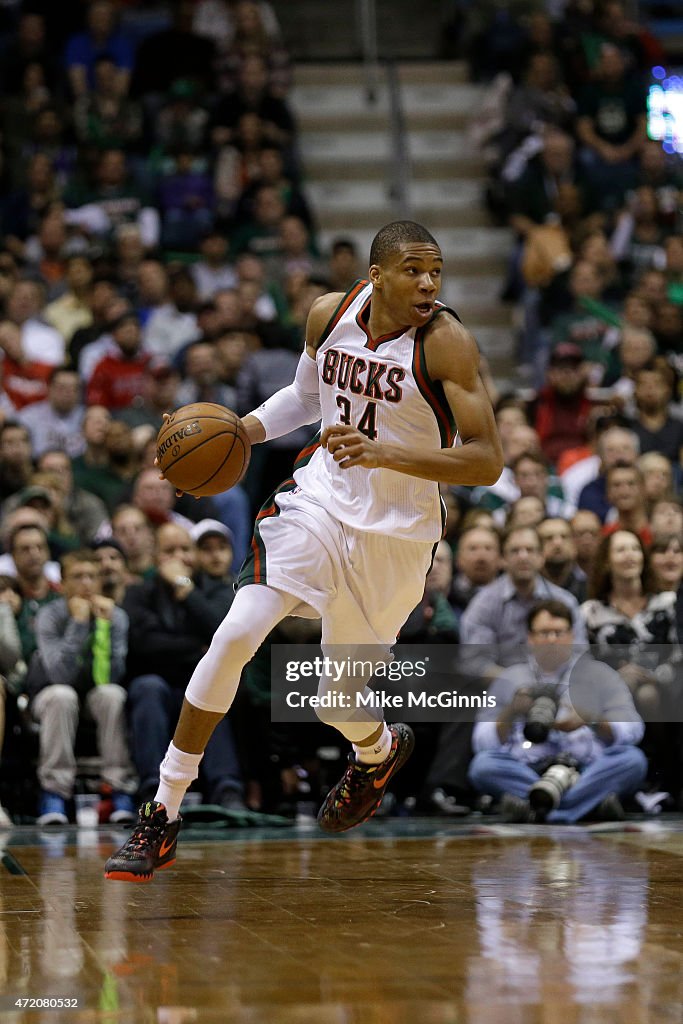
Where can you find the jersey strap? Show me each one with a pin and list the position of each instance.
(353, 293)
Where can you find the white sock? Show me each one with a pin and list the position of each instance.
(177, 773)
(377, 752)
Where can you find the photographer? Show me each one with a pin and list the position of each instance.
(562, 742)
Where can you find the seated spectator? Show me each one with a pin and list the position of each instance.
(30, 46)
(532, 196)
(214, 549)
(541, 102)
(173, 618)
(28, 546)
(494, 621)
(656, 429)
(624, 612)
(186, 201)
(213, 271)
(532, 476)
(85, 48)
(132, 530)
(638, 240)
(637, 348)
(611, 127)
(80, 661)
(626, 497)
(16, 463)
(526, 511)
(201, 378)
(112, 199)
(46, 492)
(344, 266)
(105, 117)
(260, 235)
(477, 563)
(57, 422)
(271, 171)
(109, 463)
(594, 745)
(666, 561)
(111, 562)
(182, 122)
(658, 481)
(31, 348)
(433, 620)
(516, 440)
(615, 444)
(157, 396)
(587, 320)
(587, 533)
(173, 324)
(91, 344)
(118, 378)
(85, 511)
(559, 557)
(253, 95)
(668, 328)
(562, 406)
(156, 499)
(666, 517)
(26, 207)
(71, 310)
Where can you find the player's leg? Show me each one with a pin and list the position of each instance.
(255, 611)
(361, 623)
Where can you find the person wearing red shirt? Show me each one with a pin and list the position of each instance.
(562, 407)
(119, 378)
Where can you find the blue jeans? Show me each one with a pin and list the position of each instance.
(620, 770)
(153, 709)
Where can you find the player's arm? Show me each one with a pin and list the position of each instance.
(453, 358)
(299, 403)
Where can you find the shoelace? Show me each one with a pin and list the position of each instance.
(143, 834)
(354, 779)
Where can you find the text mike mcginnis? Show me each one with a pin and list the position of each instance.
(379, 699)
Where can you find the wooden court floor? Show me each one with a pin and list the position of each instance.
(406, 923)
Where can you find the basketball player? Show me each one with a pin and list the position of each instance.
(350, 539)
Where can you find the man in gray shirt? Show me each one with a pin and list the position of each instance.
(82, 642)
(493, 628)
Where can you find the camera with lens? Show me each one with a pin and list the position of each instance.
(558, 777)
(541, 715)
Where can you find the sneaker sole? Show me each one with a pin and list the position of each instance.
(129, 876)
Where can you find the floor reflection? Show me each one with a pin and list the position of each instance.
(563, 927)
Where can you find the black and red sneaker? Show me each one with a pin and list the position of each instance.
(150, 847)
(359, 792)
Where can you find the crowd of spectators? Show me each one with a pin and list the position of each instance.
(157, 249)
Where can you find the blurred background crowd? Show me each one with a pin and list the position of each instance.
(157, 247)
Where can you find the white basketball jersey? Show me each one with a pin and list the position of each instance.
(381, 387)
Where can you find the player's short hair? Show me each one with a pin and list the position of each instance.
(392, 236)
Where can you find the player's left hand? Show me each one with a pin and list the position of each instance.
(349, 447)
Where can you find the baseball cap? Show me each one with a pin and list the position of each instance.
(566, 352)
(107, 542)
(211, 528)
(35, 493)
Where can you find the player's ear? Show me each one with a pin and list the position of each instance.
(375, 275)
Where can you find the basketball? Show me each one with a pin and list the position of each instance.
(203, 449)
